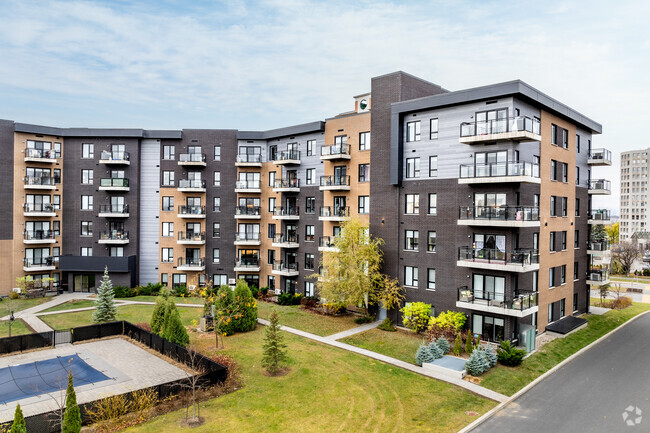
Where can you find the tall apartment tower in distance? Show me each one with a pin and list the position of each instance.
(482, 196)
(634, 194)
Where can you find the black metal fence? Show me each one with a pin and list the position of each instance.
(210, 374)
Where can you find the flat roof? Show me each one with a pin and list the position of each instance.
(304, 128)
(97, 132)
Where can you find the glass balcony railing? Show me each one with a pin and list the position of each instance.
(191, 210)
(500, 126)
(191, 157)
(39, 261)
(247, 262)
(243, 236)
(523, 257)
(601, 154)
(335, 150)
(285, 239)
(499, 213)
(598, 245)
(335, 181)
(191, 261)
(334, 211)
(326, 242)
(41, 180)
(248, 210)
(599, 215)
(114, 182)
(520, 302)
(38, 207)
(287, 211)
(600, 184)
(191, 236)
(247, 184)
(596, 274)
(285, 267)
(287, 155)
(114, 235)
(249, 158)
(38, 235)
(40, 153)
(114, 208)
(115, 156)
(191, 183)
(287, 183)
(499, 169)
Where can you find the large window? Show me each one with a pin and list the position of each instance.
(309, 261)
(411, 276)
(431, 242)
(86, 177)
(310, 147)
(311, 176)
(489, 328)
(431, 279)
(413, 131)
(168, 178)
(433, 125)
(167, 229)
(168, 204)
(433, 166)
(216, 255)
(310, 205)
(271, 178)
(364, 172)
(553, 209)
(169, 151)
(309, 233)
(411, 240)
(433, 204)
(86, 202)
(87, 150)
(217, 153)
(167, 255)
(86, 251)
(219, 280)
(216, 230)
(364, 204)
(216, 204)
(216, 178)
(86, 228)
(489, 287)
(309, 288)
(364, 141)
(412, 204)
(564, 206)
(412, 168)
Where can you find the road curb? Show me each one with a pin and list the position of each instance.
(527, 388)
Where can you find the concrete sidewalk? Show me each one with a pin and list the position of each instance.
(357, 330)
(476, 389)
(29, 315)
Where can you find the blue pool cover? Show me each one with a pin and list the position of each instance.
(40, 377)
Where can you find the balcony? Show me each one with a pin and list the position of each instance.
(521, 260)
(244, 238)
(248, 212)
(503, 216)
(525, 172)
(597, 277)
(40, 155)
(599, 216)
(600, 187)
(335, 151)
(192, 159)
(114, 211)
(40, 182)
(521, 305)
(329, 213)
(191, 185)
(39, 210)
(191, 211)
(114, 237)
(115, 158)
(114, 184)
(285, 241)
(251, 264)
(600, 157)
(521, 128)
(38, 237)
(326, 244)
(248, 186)
(289, 157)
(335, 183)
(598, 248)
(285, 269)
(287, 213)
(287, 185)
(190, 264)
(245, 160)
(39, 264)
(191, 238)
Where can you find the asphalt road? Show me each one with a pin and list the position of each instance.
(590, 393)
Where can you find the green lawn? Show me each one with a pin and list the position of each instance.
(131, 313)
(508, 380)
(70, 305)
(400, 344)
(20, 304)
(177, 299)
(295, 317)
(327, 390)
(17, 328)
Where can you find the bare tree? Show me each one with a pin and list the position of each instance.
(626, 253)
(604, 292)
(10, 306)
(194, 378)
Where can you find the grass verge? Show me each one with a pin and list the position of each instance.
(177, 299)
(70, 305)
(295, 317)
(20, 304)
(401, 345)
(17, 328)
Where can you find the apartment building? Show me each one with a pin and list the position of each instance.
(483, 198)
(634, 194)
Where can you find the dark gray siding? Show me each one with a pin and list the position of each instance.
(7, 179)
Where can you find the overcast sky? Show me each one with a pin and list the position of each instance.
(266, 64)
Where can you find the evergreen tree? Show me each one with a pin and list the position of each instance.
(435, 350)
(477, 363)
(491, 356)
(246, 307)
(423, 355)
(19, 422)
(158, 316)
(469, 345)
(105, 311)
(458, 345)
(174, 330)
(225, 311)
(72, 414)
(274, 350)
(443, 344)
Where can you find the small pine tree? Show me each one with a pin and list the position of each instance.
(469, 345)
(105, 309)
(477, 363)
(18, 425)
(274, 350)
(458, 345)
(423, 355)
(491, 356)
(225, 308)
(174, 330)
(443, 344)
(247, 305)
(435, 350)
(72, 415)
(158, 316)
(478, 342)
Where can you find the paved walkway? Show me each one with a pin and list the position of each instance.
(476, 389)
(29, 315)
(357, 330)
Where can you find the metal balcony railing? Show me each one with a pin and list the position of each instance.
(40, 180)
(191, 210)
(285, 239)
(521, 301)
(499, 126)
(248, 210)
(114, 208)
(326, 241)
(600, 184)
(254, 236)
(253, 157)
(333, 211)
(34, 235)
(523, 257)
(599, 215)
(335, 149)
(287, 155)
(191, 261)
(191, 236)
(287, 211)
(601, 154)
(40, 153)
(191, 183)
(502, 213)
(285, 267)
(499, 169)
(247, 184)
(40, 261)
(335, 181)
(38, 207)
(595, 274)
(287, 183)
(114, 182)
(114, 235)
(247, 262)
(115, 156)
(191, 157)
(594, 245)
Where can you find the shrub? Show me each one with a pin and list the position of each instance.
(416, 316)
(255, 291)
(180, 290)
(423, 355)
(620, 303)
(477, 363)
(289, 299)
(149, 290)
(72, 415)
(435, 350)
(449, 320)
(310, 302)
(246, 307)
(469, 344)
(14, 295)
(123, 292)
(158, 316)
(224, 307)
(491, 356)
(364, 319)
(387, 325)
(458, 345)
(334, 308)
(509, 355)
(443, 344)
(264, 290)
(174, 330)
(18, 425)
